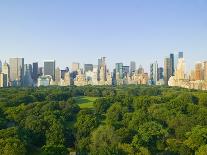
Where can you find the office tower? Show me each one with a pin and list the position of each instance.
(160, 75)
(172, 64)
(28, 67)
(27, 79)
(63, 71)
(49, 68)
(0, 66)
(175, 62)
(205, 71)
(180, 72)
(66, 81)
(102, 75)
(88, 67)
(35, 71)
(140, 70)
(153, 72)
(6, 71)
(192, 75)
(125, 70)
(102, 63)
(119, 70)
(167, 70)
(3, 80)
(198, 71)
(57, 75)
(75, 66)
(40, 71)
(132, 67)
(16, 71)
(180, 55)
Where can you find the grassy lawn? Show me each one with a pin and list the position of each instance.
(85, 102)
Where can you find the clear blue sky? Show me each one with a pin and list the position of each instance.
(121, 30)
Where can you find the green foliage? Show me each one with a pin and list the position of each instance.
(135, 120)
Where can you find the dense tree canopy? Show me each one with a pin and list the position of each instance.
(135, 120)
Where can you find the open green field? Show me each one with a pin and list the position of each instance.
(85, 102)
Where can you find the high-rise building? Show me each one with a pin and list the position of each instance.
(57, 75)
(172, 64)
(180, 55)
(75, 66)
(28, 67)
(153, 72)
(160, 75)
(0, 66)
(180, 71)
(88, 67)
(16, 71)
(132, 67)
(102, 64)
(125, 70)
(49, 68)
(140, 70)
(119, 69)
(27, 79)
(3, 80)
(198, 71)
(167, 70)
(35, 71)
(6, 71)
(175, 61)
(205, 71)
(40, 71)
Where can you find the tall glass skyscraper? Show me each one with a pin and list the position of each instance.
(153, 72)
(35, 71)
(119, 69)
(172, 64)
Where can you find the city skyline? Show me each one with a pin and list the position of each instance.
(140, 31)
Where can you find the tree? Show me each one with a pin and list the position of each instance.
(12, 146)
(104, 141)
(196, 138)
(54, 150)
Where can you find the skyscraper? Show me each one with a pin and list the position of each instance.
(180, 72)
(198, 71)
(180, 55)
(35, 71)
(132, 67)
(3, 80)
(57, 75)
(28, 67)
(0, 66)
(125, 70)
(16, 71)
(27, 79)
(88, 67)
(102, 63)
(153, 72)
(75, 66)
(160, 75)
(119, 69)
(49, 68)
(167, 70)
(172, 64)
(6, 71)
(205, 70)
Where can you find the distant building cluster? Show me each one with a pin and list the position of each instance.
(16, 73)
